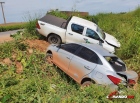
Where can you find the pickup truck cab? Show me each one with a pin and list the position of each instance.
(75, 30)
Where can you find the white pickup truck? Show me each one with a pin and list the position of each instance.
(74, 30)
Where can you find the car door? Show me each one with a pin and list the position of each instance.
(64, 55)
(91, 36)
(74, 33)
(82, 64)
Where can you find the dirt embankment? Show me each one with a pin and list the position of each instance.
(40, 45)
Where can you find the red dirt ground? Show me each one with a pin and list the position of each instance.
(40, 45)
(5, 39)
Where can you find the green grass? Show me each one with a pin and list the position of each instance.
(42, 83)
(12, 26)
(39, 82)
(126, 28)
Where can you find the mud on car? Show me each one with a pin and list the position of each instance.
(90, 63)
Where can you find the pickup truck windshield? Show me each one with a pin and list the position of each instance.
(101, 33)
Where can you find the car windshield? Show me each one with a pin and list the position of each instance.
(116, 64)
(101, 33)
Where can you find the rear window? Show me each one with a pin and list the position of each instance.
(72, 48)
(116, 64)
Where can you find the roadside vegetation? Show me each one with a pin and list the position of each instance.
(12, 26)
(25, 76)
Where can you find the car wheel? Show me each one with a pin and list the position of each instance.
(54, 39)
(49, 59)
(86, 83)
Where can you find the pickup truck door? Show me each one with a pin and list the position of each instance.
(91, 36)
(74, 33)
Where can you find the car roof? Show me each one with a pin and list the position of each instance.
(84, 22)
(98, 49)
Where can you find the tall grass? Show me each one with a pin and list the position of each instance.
(126, 28)
(58, 14)
(30, 31)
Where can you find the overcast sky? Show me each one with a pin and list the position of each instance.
(20, 10)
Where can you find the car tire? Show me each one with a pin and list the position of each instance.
(49, 59)
(54, 39)
(86, 83)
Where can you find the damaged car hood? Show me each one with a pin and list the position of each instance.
(112, 40)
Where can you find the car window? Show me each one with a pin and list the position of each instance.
(70, 47)
(95, 59)
(92, 34)
(116, 63)
(77, 28)
(85, 53)
(89, 55)
(100, 32)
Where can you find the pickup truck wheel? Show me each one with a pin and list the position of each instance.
(86, 83)
(54, 39)
(49, 59)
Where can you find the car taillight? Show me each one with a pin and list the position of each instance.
(131, 82)
(115, 80)
(37, 25)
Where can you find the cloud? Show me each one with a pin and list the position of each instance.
(95, 7)
(15, 10)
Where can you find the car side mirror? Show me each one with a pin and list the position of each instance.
(59, 45)
(100, 40)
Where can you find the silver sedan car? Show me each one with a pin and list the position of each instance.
(90, 63)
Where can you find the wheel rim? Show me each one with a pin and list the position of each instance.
(86, 84)
(49, 59)
(54, 40)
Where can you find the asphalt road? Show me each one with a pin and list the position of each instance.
(5, 36)
(8, 33)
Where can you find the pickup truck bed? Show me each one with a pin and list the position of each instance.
(54, 20)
